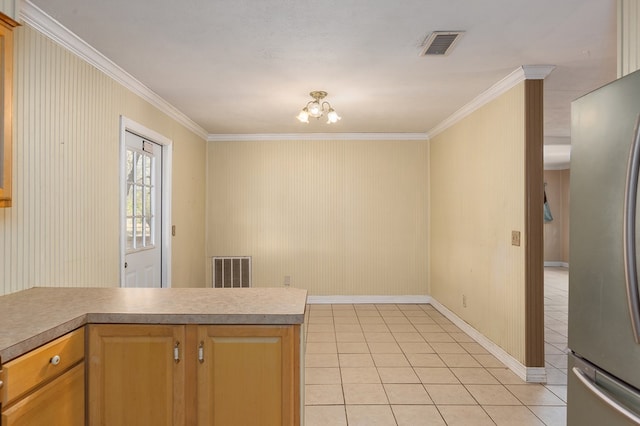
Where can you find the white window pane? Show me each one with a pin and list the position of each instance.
(129, 201)
(139, 206)
(147, 170)
(129, 166)
(129, 230)
(147, 201)
(139, 243)
(143, 232)
(138, 165)
(147, 232)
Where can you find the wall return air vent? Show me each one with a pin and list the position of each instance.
(230, 272)
(440, 43)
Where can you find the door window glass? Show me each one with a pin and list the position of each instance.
(140, 199)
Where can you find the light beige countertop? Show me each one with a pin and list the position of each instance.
(33, 317)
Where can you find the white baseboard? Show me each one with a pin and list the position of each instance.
(557, 264)
(528, 374)
(318, 300)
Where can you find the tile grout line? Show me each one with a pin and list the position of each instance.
(448, 331)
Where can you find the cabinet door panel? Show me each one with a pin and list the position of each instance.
(58, 403)
(247, 376)
(6, 100)
(133, 377)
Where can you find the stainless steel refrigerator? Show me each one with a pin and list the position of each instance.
(604, 307)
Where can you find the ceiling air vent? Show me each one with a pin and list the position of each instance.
(440, 42)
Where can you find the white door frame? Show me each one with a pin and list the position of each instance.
(167, 152)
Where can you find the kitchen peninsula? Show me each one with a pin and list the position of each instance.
(152, 356)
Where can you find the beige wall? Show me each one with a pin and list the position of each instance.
(63, 228)
(339, 217)
(556, 232)
(477, 199)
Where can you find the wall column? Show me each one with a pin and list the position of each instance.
(534, 233)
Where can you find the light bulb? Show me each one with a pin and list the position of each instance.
(303, 116)
(315, 110)
(332, 116)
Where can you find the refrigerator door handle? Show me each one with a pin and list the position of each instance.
(629, 232)
(593, 387)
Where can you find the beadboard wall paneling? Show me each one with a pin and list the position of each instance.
(628, 36)
(338, 217)
(477, 194)
(63, 228)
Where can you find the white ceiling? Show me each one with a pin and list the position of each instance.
(247, 66)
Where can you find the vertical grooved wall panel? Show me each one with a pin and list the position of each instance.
(339, 217)
(63, 228)
(477, 198)
(628, 37)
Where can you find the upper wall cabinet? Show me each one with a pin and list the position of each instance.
(8, 7)
(6, 101)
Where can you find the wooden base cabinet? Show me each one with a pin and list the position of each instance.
(60, 402)
(46, 387)
(218, 375)
(248, 375)
(136, 375)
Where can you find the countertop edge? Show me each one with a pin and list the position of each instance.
(50, 329)
(200, 319)
(39, 339)
(46, 336)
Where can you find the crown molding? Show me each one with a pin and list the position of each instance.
(536, 72)
(51, 28)
(39, 20)
(525, 72)
(317, 137)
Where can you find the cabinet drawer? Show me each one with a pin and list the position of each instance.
(42, 365)
(58, 403)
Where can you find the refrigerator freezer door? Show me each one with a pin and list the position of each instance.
(598, 399)
(602, 133)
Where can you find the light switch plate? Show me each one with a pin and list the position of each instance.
(515, 238)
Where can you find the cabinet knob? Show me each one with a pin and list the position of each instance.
(55, 360)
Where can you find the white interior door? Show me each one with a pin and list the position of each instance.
(143, 212)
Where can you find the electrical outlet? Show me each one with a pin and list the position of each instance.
(287, 280)
(515, 238)
(464, 301)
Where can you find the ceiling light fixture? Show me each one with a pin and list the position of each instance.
(317, 108)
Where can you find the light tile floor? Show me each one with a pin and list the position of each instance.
(408, 365)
